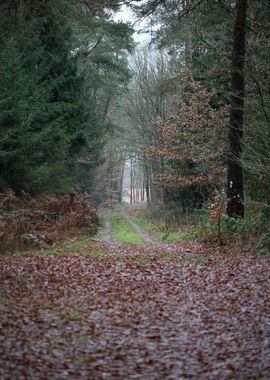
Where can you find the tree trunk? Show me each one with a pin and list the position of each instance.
(187, 48)
(146, 181)
(235, 189)
(142, 190)
(120, 193)
(131, 182)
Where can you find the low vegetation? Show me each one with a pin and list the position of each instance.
(159, 230)
(41, 221)
(210, 224)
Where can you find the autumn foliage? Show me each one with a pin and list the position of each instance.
(190, 141)
(38, 222)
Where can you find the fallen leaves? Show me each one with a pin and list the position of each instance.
(133, 314)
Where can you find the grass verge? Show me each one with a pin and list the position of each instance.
(71, 246)
(160, 233)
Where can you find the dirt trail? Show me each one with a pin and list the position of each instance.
(151, 241)
(141, 232)
(105, 232)
(105, 235)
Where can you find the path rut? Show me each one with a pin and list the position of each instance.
(141, 232)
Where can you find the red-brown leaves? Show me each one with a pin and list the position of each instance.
(191, 140)
(135, 314)
(38, 222)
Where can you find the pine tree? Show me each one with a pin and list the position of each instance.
(42, 117)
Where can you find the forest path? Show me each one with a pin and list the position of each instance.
(106, 235)
(165, 311)
(105, 232)
(140, 231)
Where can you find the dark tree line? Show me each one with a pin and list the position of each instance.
(62, 63)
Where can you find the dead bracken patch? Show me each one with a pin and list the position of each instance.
(40, 221)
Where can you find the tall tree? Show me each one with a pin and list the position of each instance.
(58, 81)
(101, 46)
(191, 143)
(42, 118)
(235, 189)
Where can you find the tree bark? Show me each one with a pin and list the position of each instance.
(121, 180)
(235, 187)
(131, 183)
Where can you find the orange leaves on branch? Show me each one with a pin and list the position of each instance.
(178, 182)
(194, 133)
(218, 207)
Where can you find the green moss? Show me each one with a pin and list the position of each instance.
(99, 254)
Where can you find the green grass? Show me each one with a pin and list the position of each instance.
(22, 277)
(168, 256)
(99, 254)
(79, 243)
(192, 260)
(122, 230)
(68, 247)
(189, 234)
(158, 231)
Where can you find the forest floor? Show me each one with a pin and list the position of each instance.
(155, 310)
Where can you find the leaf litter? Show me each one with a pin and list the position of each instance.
(155, 311)
(135, 312)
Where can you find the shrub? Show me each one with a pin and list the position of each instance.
(264, 243)
(38, 222)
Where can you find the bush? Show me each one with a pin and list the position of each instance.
(247, 231)
(38, 222)
(263, 244)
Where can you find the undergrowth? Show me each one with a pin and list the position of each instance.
(250, 233)
(75, 245)
(42, 221)
(159, 229)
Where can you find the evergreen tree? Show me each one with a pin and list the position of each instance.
(42, 118)
(101, 46)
